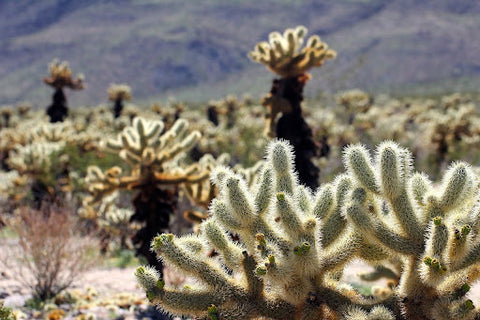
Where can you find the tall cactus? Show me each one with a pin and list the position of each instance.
(118, 93)
(284, 56)
(61, 76)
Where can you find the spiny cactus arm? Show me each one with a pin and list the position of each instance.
(357, 214)
(458, 184)
(341, 251)
(394, 170)
(333, 222)
(188, 301)
(167, 247)
(358, 162)
(101, 184)
(445, 309)
(280, 155)
(420, 185)
(224, 296)
(230, 251)
(179, 128)
(264, 191)
(470, 258)
(186, 144)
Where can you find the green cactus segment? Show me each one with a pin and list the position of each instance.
(148, 279)
(435, 264)
(466, 230)
(213, 313)
(261, 271)
(462, 291)
(302, 249)
(189, 262)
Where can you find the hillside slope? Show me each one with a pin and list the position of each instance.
(196, 50)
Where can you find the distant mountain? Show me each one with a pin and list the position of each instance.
(196, 49)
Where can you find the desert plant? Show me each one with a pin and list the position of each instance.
(61, 76)
(156, 172)
(293, 246)
(118, 93)
(284, 56)
(435, 229)
(282, 266)
(52, 252)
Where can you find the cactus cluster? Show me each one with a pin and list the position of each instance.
(293, 245)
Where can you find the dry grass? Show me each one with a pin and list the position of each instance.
(51, 252)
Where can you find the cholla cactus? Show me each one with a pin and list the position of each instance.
(432, 229)
(156, 172)
(294, 245)
(282, 266)
(118, 93)
(285, 56)
(61, 76)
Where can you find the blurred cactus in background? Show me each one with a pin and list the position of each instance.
(61, 76)
(285, 56)
(157, 172)
(118, 93)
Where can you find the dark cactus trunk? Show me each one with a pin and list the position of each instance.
(212, 115)
(153, 207)
(58, 110)
(117, 108)
(292, 127)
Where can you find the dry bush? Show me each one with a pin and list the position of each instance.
(51, 253)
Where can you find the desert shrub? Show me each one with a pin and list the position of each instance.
(51, 253)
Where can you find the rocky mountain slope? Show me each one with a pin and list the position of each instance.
(196, 50)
